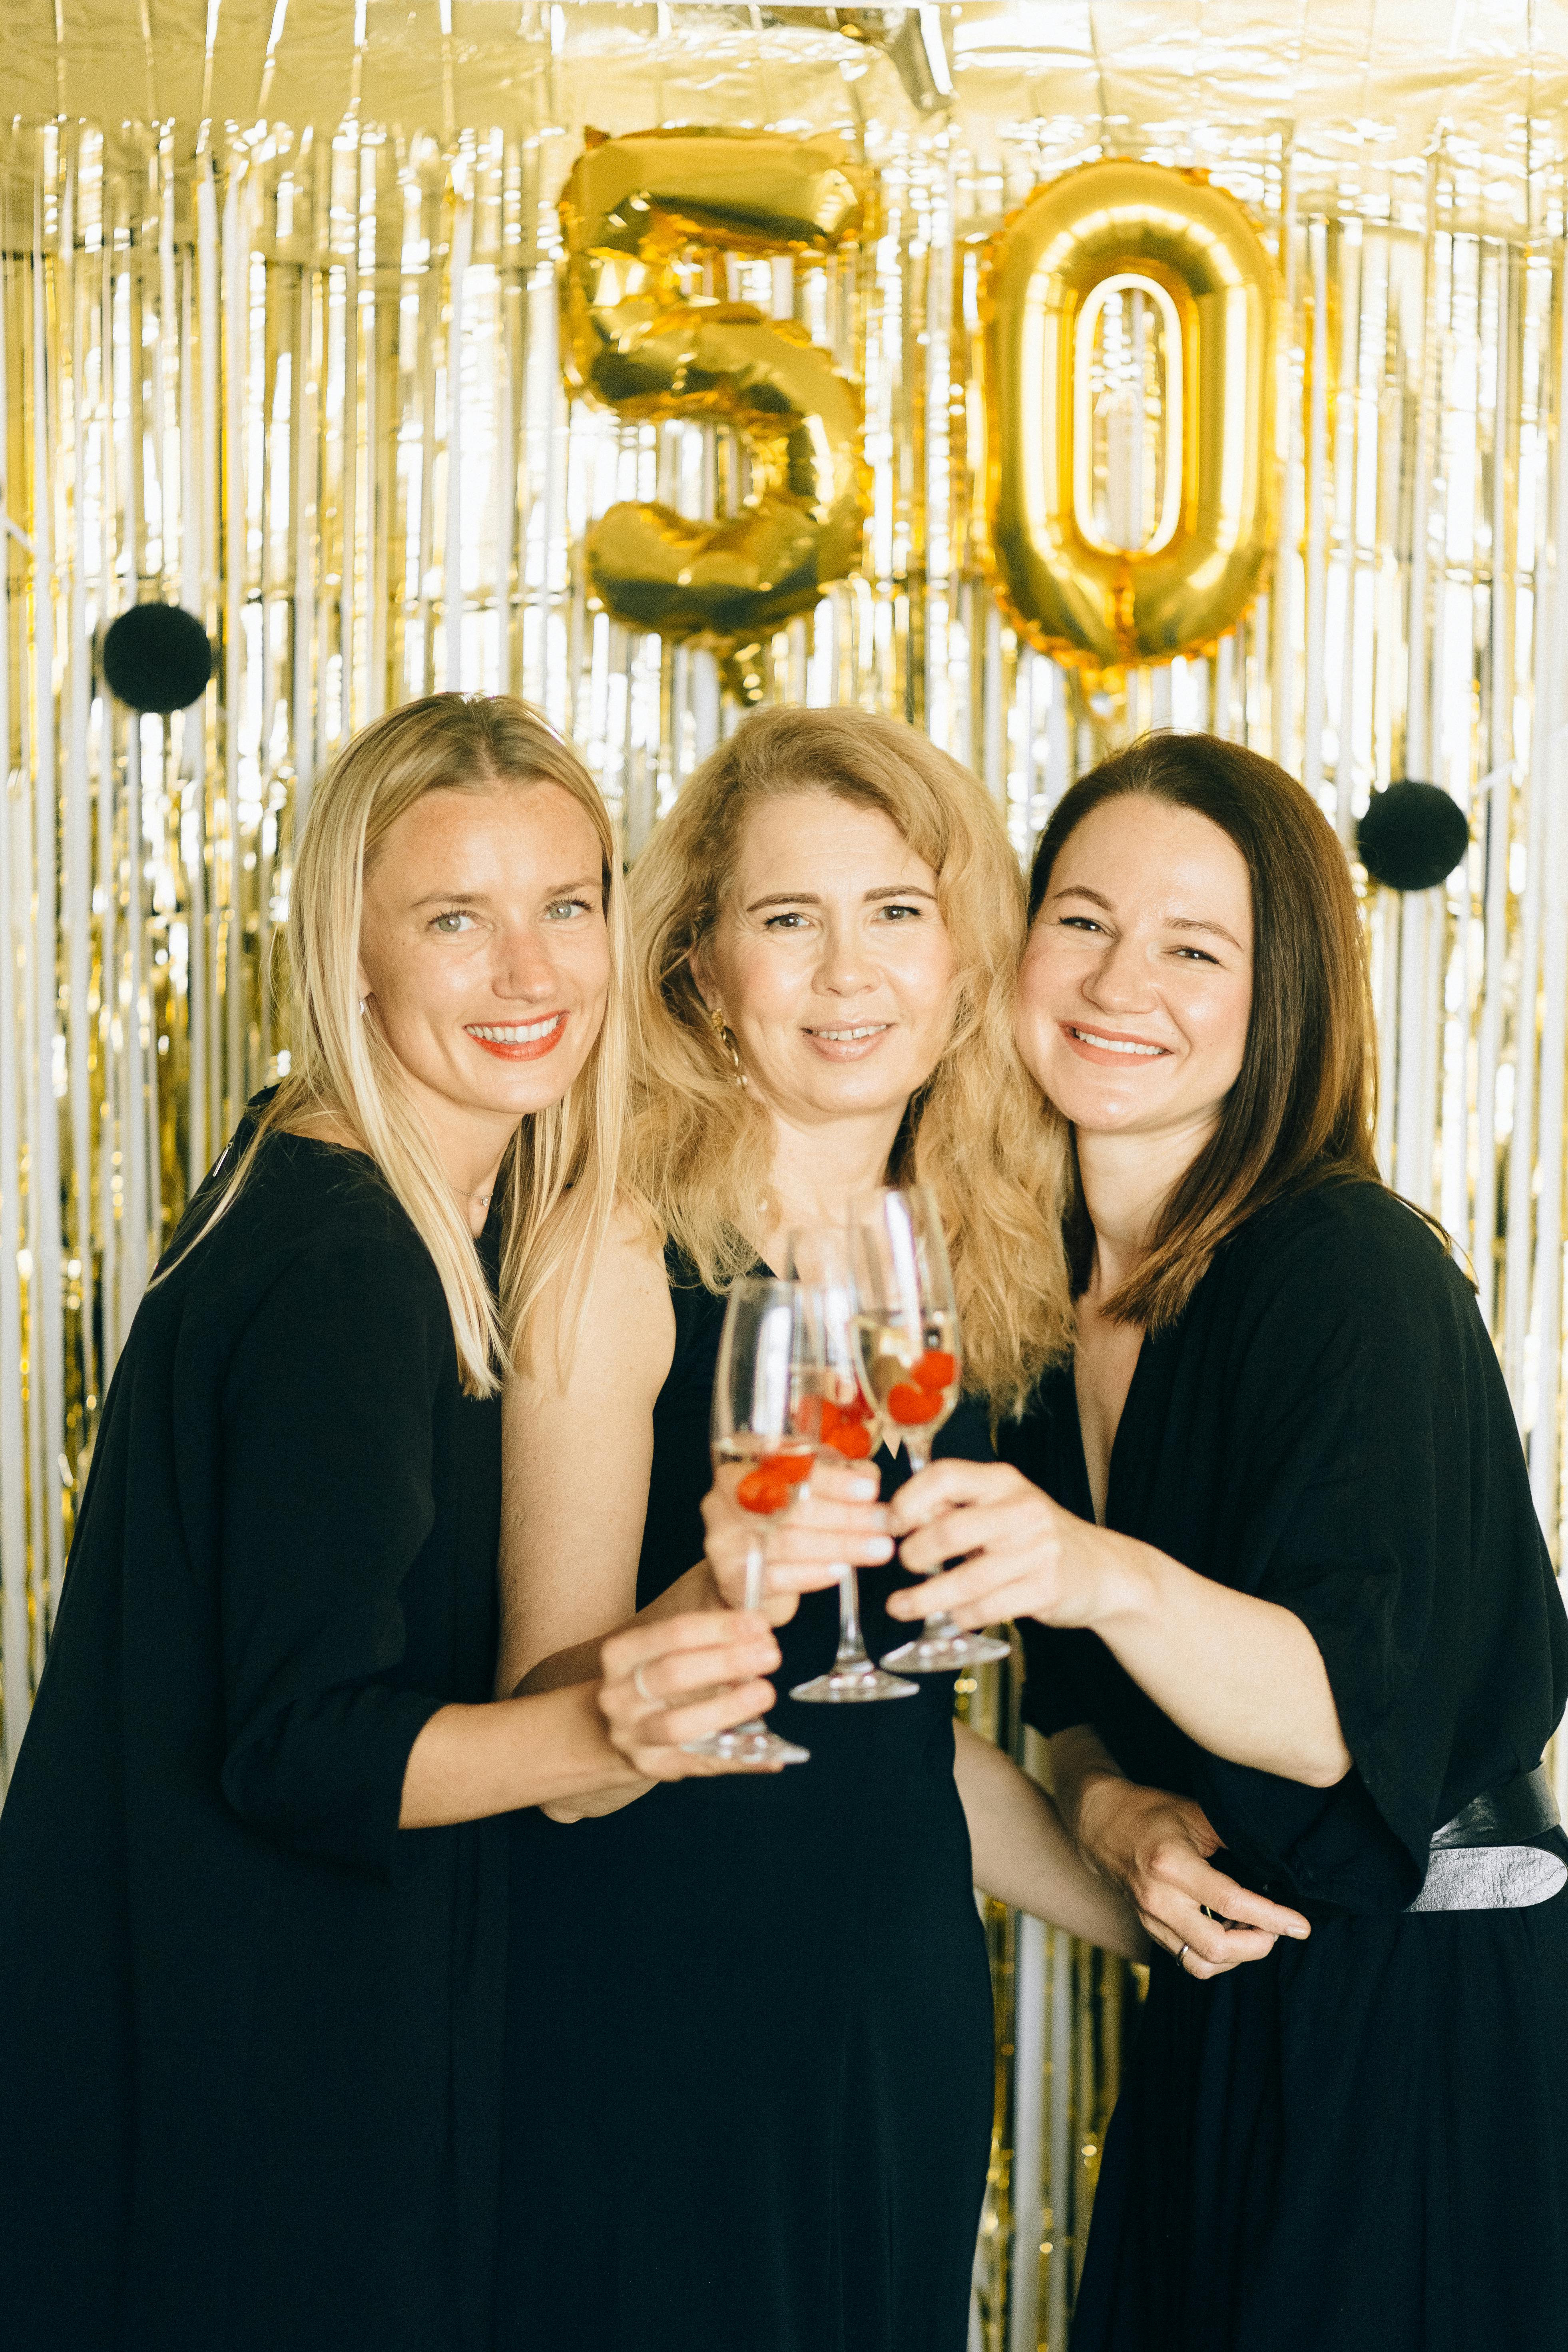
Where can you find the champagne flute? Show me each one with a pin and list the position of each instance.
(766, 1416)
(819, 1258)
(907, 1336)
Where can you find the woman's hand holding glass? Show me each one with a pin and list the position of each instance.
(820, 1257)
(670, 1681)
(838, 1519)
(1019, 1554)
(766, 1429)
(908, 1353)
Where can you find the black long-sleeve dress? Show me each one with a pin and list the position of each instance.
(749, 2054)
(251, 2029)
(1360, 2143)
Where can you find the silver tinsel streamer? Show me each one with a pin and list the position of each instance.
(282, 348)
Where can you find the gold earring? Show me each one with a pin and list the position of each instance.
(721, 1030)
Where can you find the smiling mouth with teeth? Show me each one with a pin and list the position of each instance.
(1118, 1045)
(849, 1036)
(518, 1040)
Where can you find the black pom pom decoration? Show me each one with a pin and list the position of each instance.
(157, 657)
(1412, 836)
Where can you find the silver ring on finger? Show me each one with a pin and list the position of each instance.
(1182, 1958)
(649, 1699)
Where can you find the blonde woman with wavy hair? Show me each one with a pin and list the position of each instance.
(701, 1150)
(777, 1990)
(252, 1880)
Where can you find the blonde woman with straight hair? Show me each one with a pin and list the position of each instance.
(252, 1889)
(749, 2069)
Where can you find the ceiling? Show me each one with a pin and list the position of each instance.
(1388, 75)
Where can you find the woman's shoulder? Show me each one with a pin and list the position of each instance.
(1342, 1251)
(1351, 1219)
(306, 1211)
(613, 1325)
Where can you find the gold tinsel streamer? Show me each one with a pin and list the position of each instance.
(283, 346)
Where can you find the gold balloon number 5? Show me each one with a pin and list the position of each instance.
(1128, 316)
(633, 209)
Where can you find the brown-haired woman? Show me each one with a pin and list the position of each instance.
(750, 2033)
(1291, 1611)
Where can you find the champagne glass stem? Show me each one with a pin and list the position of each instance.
(851, 1641)
(755, 1586)
(917, 1449)
(756, 1572)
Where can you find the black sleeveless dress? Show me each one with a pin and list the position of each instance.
(748, 2082)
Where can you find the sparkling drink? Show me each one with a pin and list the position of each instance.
(848, 1429)
(908, 1350)
(766, 1418)
(912, 1372)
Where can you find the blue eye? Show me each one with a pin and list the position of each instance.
(562, 909)
(451, 923)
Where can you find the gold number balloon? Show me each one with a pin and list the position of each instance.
(631, 209)
(1128, 316)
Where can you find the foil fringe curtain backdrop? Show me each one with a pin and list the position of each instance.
(284, 351)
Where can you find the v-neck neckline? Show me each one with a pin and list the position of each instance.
(1121, 1419)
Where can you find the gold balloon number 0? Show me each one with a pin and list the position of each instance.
(632, 210)
(1128, 320)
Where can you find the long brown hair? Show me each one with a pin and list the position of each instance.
(1300, 1112)
(701, 1147)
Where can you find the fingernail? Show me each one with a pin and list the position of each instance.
(879, 1547)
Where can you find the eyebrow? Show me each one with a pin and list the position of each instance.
(481, 897)
(813, 897)
(1172, 922)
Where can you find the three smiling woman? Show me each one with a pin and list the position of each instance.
(273, 2075)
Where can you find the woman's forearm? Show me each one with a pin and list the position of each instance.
(470, 1762)
(1023, 1855)
(1079, 1758)
(1241, 1676)
(695, 1590)
(577, 1668)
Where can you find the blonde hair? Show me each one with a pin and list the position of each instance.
(699, 1147)
(557, 1177)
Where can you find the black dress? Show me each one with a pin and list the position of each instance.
(1360, 2143)
(251, 2029)
(748, 2064)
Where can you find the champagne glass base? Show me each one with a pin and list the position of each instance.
(850, 1686)
(749, 1748)
(947, 1653)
